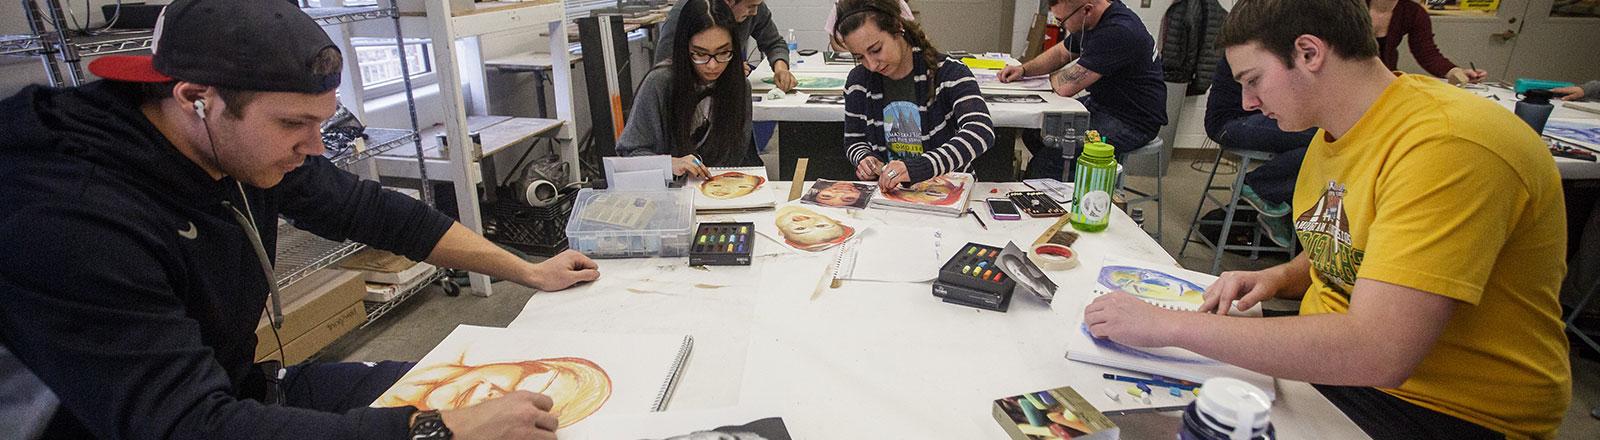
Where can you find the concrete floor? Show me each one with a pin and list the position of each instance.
(414, 328)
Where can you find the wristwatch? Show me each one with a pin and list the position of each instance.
(427, 425)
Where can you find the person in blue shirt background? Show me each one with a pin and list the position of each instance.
(1113, 57)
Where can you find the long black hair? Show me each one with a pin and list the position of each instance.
(729, 93)
(886, 15)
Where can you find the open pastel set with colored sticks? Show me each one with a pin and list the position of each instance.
(972, 278)
(722, 244)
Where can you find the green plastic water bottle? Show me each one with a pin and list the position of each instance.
(1094, 179)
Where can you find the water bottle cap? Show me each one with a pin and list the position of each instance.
(1099, 149)
(1538, 96)
(1236, 404)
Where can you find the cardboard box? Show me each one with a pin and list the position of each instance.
(320, 296)
(320, 336)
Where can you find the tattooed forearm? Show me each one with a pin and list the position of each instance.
(1070, 81)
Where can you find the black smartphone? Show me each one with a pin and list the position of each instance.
(1003, 209)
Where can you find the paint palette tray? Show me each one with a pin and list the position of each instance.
(973, 278)
(631, 224)
(1036, 204)
(722, 244)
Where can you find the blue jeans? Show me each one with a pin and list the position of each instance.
(1048, 162)
(1273, 180)
(340, 386)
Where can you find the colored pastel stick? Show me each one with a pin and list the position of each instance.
(1175, 392)
(1036, 402)
(1142, 387)
(1034, 415)
(1045, 396)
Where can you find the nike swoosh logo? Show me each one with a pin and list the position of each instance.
(191, 233)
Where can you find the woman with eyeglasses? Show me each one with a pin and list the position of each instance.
(910, 112)
(693, 106)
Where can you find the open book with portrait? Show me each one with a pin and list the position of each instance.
(733, 189)
(943, 195)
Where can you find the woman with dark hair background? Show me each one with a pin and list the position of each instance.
(1393, 20)
(693, 106)
(910, 112)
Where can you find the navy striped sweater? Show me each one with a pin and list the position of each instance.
(956, 128)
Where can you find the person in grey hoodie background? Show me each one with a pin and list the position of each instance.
(693, 106)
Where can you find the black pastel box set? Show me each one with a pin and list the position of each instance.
(972, 278)
(722, 244)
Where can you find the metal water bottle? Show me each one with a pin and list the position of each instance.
(1094, 179)
(1535, 107)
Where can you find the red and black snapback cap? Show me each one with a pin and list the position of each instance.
(255, 45)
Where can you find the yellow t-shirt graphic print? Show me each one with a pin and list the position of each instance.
(1439, 190)
(1325, 232)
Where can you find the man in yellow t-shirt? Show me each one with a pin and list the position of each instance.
(1434, 231)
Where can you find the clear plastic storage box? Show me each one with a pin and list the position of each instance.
(624, 224)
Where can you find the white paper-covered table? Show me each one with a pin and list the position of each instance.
(870, 359)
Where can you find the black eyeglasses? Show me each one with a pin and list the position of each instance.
(703, 58)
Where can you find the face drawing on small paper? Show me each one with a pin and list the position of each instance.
(839, 194)
(807, 230)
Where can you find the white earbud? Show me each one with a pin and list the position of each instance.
(200, 108)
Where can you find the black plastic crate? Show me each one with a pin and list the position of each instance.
(535, 230)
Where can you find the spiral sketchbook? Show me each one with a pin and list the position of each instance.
(1165, 286)
(734, 189)
(584, 373)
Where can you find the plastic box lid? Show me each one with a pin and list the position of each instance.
(659, 217)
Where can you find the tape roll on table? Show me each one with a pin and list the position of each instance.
(540, 193)
(1051, 256)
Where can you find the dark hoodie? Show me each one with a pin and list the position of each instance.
(130, 290)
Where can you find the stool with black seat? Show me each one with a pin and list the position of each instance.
(1230, 209)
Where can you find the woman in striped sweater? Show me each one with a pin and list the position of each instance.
(910, 112)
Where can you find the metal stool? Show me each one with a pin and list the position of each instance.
(1156, 147)
(1220, 245)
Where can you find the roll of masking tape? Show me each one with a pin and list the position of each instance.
(1051, 256)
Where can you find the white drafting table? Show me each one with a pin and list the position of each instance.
(869, 359)
(1004, 115)
(1571, 169)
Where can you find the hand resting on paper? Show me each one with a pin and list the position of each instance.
(562, 271)
(1242, 290)
(1009, 74)
(1128, 320)
(517, 415)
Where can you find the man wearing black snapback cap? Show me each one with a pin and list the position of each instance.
(132, 267)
